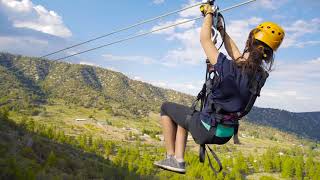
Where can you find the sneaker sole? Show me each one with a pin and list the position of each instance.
(178, 170)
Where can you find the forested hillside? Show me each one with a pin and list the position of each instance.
(33, 82)
(28, 83)
(303, 124)
(33, 148)
(67, 121)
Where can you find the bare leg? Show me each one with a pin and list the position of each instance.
(181, 141)
(169, 129)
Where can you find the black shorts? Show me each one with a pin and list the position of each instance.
(178, 113)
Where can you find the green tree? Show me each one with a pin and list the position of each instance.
(277, 163)
(31, 125)
(298, 166)
(309, 166)
(316, 172)
(82, 141)
(241, 165)
(288, 168)
(50, 132)
(108, 148)
(51, 160)
(4, 114)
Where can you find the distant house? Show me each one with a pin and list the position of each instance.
(80, 119)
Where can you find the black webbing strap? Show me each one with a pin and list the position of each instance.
(201, 97)
(256, 86)
(203, 151)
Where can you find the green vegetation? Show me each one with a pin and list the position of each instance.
(47, 151)
(302, 124)
(34, 82)
(62, 121)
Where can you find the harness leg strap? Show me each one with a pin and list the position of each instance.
(217, 160)
(202, 153)
(202, 156)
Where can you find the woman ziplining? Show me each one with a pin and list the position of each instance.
(226, 97)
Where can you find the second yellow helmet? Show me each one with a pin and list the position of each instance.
(271, 34)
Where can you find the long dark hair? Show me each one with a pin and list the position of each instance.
(261, 56)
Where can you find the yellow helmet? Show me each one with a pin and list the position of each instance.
(271, 34)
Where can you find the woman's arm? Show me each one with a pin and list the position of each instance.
(205, 39)
(229, 44)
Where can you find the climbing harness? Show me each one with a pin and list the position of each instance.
(220, 117)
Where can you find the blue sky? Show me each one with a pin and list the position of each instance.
(173, 58)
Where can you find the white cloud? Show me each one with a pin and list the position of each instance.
(293, 86)
(192, 12)
(172, 30)
(160, 84)
(298, 29)
(158, 1)
(88, 63)
(113, 69)
(298, 72)
(8, 41)
(307, 43)
(271, 4)
(191, 52)
(136, 59)
(22, 45)
(19, 6)
(24, 14)
(240, 29)
(138, 78)
(191, 88)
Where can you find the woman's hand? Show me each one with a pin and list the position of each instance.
(206, 9)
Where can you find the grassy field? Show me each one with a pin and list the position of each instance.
(102, 123)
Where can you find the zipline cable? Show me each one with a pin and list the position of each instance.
(120, 30)
(129, 38)
(123, 29)
(143, 34)
(150, 32)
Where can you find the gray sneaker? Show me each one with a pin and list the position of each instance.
(172, 164)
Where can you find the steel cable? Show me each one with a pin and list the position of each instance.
(123, 29)
(143, 34)
(150, 32)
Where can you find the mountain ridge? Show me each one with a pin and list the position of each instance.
(34, 81)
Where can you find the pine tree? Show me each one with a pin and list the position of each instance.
(31, 125)
(49, 132)
(82, 140)
(268, 160)
(309, 166)
(277, 163)
(108, 148)
(316, 172)
(51, 160)
(90, 141)
(288, 168)
(4, 114)
(298, 166)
